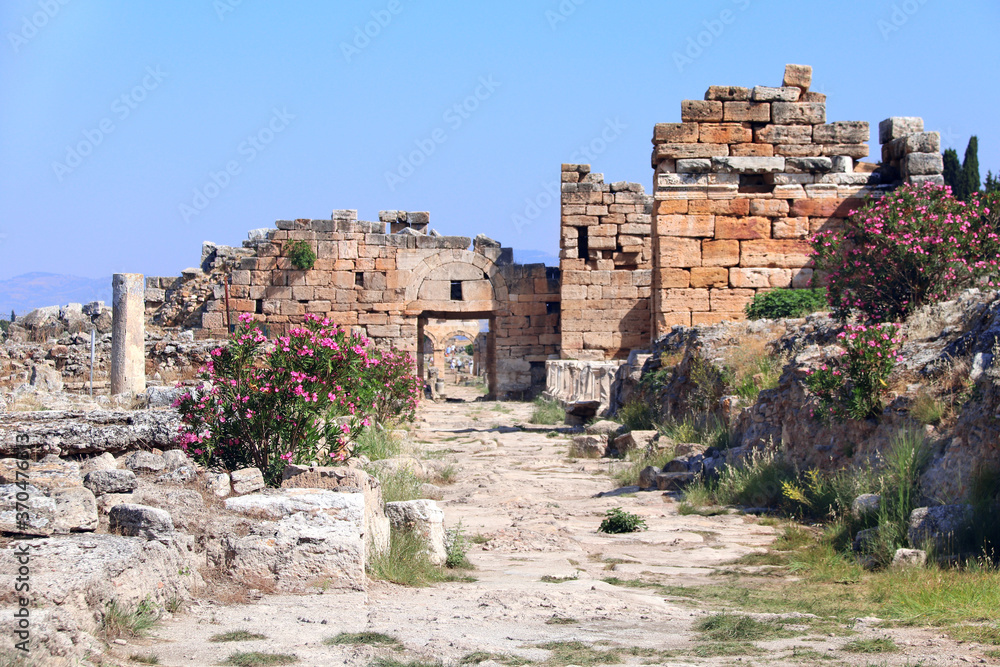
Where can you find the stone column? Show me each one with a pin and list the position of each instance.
(128, 352)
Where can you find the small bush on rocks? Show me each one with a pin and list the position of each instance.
(851, 386)
(916, 245)
(301, 254)
(547, 412)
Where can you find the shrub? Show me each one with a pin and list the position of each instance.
(779, 303)
(456, 546)
(301, 254)
(852, 385)
(636, 415)
(756, 483)
(547, 412)
(124, 621)
(916, 245)
(304, 398)
(618, 520)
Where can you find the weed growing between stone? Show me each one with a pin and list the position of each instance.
(145, 658)
(237, 636)
(547, 412)
(121, 620)
(398, 483)
(259, 659)
(377, 444)
(366, 638)
(456, 546)
(406, 562)
(636, 415)
(629, 474)
(617, 520)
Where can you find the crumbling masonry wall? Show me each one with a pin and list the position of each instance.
(606, 260)
(387, 284)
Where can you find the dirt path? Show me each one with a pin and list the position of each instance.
(540, 513)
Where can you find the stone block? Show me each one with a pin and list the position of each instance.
(769, 94)
(101, 482)
(754, 112)
(675, 133)
(709, 276)
(677, 151)
(426, 519)
(824, 207)
(777, 253)
(743, 228)
(751, 150)
(798, 113)
(680, 252)
(589, 446)
(808, 165)
(898, 127)
(855, 151)
(694, 166)
(724, 133)
(802, 278)
(133, 520)
(719, 253)
(768, 207)
(678, 277)
(748, 165)
(923, 164)
(841, 164)
(759, 277)
(50, 511)
(923, 142)
(727, 93)
(842, 132)
(685, 225)
(731, 300)
(246, 480)
(685, 299)
(798, 76)
(701, 111)
(144, 462)
(784, 134)
(674, 481)
(790, 228)
(734, 206)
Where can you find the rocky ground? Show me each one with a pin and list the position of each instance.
(538, 591)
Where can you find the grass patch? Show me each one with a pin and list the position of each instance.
(728, 627)
(503, 658)
(706, 430)
(237, 636)
(446, 474)
(629, 475)
(564, 653)
(377, 444)
(617, 520)
(561, 620)
(546, 412)
(259, 659)
(479, 538)
(551, 579)
(392, 662)
(636, 415)
(124, 621)
(406, 562)
(874, 645)
(751, 367)
(148, 659)
(456, 547)
(687, 509)
(366, 638)
(397, 485)
(724, 649)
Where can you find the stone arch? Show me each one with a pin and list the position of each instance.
(462, 260)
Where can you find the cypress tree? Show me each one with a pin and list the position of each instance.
(952, 169)
(991, 184)
(969, 180)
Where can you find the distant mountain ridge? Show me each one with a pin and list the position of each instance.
(28, 291)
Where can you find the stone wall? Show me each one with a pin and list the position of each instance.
(744, 180)
(606, 261)
(387, 285)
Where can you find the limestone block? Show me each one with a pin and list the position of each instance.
(768, 207)
(755, 112)
(742, 228)
(824, 207)
(694, 166)
(246, 480)
(727, 93)
(784, 134)
(759, 277)
(748, 165)
(799, 76)
(777, 253)
(49, 473)
(635, 441)
(134, 520)
(730, 300)
(50, 511)
(808, 165)
(701, 111)
(426, 519)
(589, 446)
(923, 164)
(898, 127)
(939, 527)
(790, 228)
(675, 133)
(856, 151)
(682, 277)
(798, 113)
(685, 299)
(769, 94)
(709, 276)
(676, 151)
(923, 142)
(842, 132)
(101, 482)
(144, 462)
(802, 278)
(724, 133)
(718, 253)
(685, 225)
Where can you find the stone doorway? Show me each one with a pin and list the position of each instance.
(440, 329)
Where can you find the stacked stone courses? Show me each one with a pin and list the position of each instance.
(606, 265)
(743, 182)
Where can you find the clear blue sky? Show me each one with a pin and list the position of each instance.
(199, 77)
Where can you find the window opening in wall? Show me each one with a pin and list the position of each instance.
(456, 290)
(259, 307)
(581, 243)
(755, 184)
(359, 279)
(552, 307)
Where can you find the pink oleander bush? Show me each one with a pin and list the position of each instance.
(852, 384)
(915, 245)
(302, 397)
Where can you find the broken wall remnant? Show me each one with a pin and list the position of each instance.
(128, 321)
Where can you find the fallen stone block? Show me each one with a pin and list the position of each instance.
(56, 511)
(589, 446)
(673, 481)
(143, 521)
(246, 480)
(144, 462)
(101, 482)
